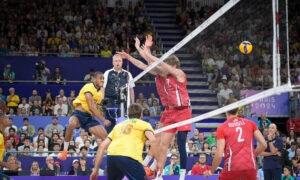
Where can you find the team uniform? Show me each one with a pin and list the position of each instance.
(175, 99)
(240, 157)
(2, 149)
(125, 150)
(86, 119)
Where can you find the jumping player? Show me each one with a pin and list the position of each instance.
(235, 137)
(4, 122)
(85, 105)
(171, 84)
(125, 146)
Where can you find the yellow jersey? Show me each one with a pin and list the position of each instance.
(128, 139)
(2, 148)
(13, 98)
(88, 88)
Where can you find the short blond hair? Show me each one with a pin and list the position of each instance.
(173, 60)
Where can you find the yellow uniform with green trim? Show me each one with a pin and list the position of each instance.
(2, 148)
(128, 139)
(81, 99)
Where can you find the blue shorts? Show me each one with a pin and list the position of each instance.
(120, 166)
(86, 120)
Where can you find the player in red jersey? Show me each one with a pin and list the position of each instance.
(171, 84)
(235, 137)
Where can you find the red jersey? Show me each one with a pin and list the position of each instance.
(161, 90)
(239, 150)
(177, 92)
(198, 170)
(290, 124)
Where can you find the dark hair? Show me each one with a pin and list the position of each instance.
(40, 128)
(11, 129)
(25, 119)
(83, 147)
(135, 110)
(54, 117)
(290, 169)
(27, 138)
(83, 158)
(72, 147)
(87, 140)
(97, 73)
(55, 144)
(212, 130)
(26, 147)
(174, 155)
(233, 111)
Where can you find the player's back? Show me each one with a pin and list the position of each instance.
(239, 148)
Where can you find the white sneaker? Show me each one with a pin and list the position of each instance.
(182, 174)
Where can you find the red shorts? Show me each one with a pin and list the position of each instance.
(174, 115)
(237, 175)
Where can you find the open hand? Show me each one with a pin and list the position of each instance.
(123, 54)
(137, 43)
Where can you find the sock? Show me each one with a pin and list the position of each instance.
(66, 145)
(153, 165)
(182, 174)
(147, 160)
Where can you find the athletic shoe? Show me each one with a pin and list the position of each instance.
(63, 155)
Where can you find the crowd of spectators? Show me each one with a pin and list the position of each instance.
(228, 70)
(70, 28)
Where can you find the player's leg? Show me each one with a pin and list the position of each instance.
(131, 168)
(181, 141)
(166, 138)
(73, 123)
(113, 170)
(98, 131)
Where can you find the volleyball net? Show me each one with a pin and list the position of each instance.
(210, 55)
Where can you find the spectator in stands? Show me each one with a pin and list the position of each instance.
(24, 105)
(56, 147)
(106, 52)
(174, 167)
(2, 95)
(21, 140)
(145, 105)
(49, 128)
(87, 144)
(39, 138)
(146, 113)
(42, 72)
(292, 137)
(296, 161)
(195, 137)
(272, 168)
(48, 109)
(292, 150)
(13, 99)
(75, 166)
(83, 170)
(286, 145)
(202, 167)
(84, 152)
(9, 149)
(152, 97)
(71, 98)
(61, 95)
(140, 98)
(35, 169)
(57, 77)
(12, 133)
(263, 122)
(223, 96)
(8, 74)
(34, 108)
(205, 148)
(3, 106)
(80, 139)
(49, 98)
(201, 140)
(35, 97)
(154, 108)
(287, 173)
(40, 152)
(50, 167)
(10, 125)
(27, 129)
(293, 123)
(11, 112)
(213, 138)
(89, 77)
(53, 141)
(99, 142)
(27, 142)
(12, 160)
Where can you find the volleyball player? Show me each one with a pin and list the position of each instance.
(171, 84)
(85, 105)
(235, 138)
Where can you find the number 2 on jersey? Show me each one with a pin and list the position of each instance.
(240, 130)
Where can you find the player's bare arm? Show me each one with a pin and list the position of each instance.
(13, 167)
(262, 143)
(93, 108)
(99, 157)
(154, 146)
(218, 157)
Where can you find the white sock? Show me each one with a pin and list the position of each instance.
(66, 145)
(182, 174)
(153, 165)
(147, 160)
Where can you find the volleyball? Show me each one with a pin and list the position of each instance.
(246, 47)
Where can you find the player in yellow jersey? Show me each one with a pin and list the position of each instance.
(85, 105)
(4, 122)
(125, 145)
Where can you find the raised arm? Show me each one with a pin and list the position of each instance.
(146, 48)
